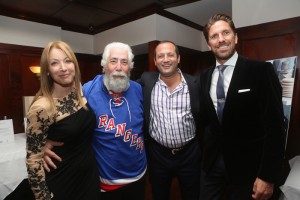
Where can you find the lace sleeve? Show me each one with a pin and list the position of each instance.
(38, 122)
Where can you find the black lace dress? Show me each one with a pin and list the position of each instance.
(76, 177)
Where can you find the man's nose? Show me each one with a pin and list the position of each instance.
(119, 66)
(221, 37)
(166, 58)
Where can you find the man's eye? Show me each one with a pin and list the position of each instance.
(113, 61)
(213, 37)
(124, 62)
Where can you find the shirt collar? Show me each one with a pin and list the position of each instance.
(183, 81)
(231, 61)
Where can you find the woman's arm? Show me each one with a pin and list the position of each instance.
(38, 122)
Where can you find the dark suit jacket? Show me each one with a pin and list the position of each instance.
(251, 137)
(148, 80)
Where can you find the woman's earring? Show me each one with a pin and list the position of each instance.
(48, 74)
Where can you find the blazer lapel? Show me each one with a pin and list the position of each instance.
(192, 86)
(235, 84)
(148, 81)
(211, 107)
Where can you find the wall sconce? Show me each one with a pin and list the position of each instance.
(36, 70)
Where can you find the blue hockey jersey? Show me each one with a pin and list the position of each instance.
(118, 140)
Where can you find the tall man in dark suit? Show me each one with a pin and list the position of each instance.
(171, 108)
(243, 148)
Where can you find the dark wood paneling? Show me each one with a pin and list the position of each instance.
(151, 47)
(270, 29)
(30, 81)
(16, 93)
(89, 66)
(140, 65)
(16, 81)
(270, 47)
(194, 62)
(4, 89)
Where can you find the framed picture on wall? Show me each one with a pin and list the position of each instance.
(285, 69)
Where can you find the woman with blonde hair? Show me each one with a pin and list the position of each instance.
(60, 112)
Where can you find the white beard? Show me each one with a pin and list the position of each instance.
(116, 85)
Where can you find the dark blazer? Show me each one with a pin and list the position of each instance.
(148, 80)
(251, 137)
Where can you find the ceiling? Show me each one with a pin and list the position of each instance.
(95, 16)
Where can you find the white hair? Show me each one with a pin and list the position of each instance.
(118, 45)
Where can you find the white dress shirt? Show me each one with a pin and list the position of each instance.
(227, 77)
(171, 121)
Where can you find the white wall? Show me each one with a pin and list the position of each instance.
(80, 43)
(182, 35)
(133, 33)
(150, 28)
(252, 12)
(153, 27)
(21, 32)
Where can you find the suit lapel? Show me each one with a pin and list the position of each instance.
(211, 107)
(148, 81)
(235, 84)
(191, 87)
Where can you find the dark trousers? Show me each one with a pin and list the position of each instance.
(185, 165)
(215, 184)
(132, 191)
